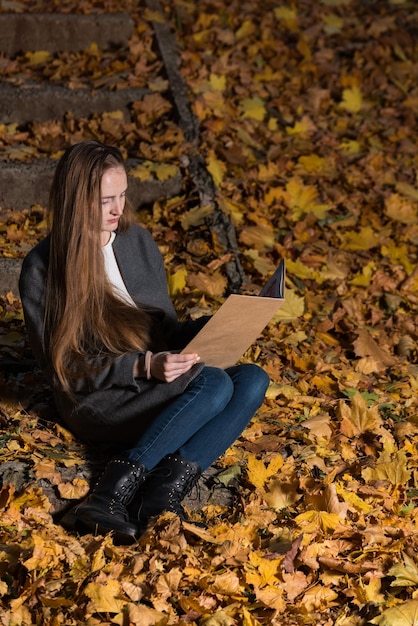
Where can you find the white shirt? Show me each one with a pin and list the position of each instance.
(113, 273)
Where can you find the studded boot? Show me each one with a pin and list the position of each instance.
(164, 489)
(105, 508)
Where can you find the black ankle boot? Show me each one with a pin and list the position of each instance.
(105, 508)
(164, 489)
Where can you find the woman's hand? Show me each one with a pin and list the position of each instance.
(167, 367)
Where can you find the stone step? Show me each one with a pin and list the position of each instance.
(24, 184)
(9, 275)
(39, 102)
(60, 32)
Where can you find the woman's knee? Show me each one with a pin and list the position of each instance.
(216, 385)
(250, 377)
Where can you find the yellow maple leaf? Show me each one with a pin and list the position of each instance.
(75, 490)
(353, 499)
(301, 127)
(259, 473)
(328, 501)
(153, 16)
(219, 618)
(261, 571)
(406, 573)
(261, 236)
(318, 520)
(363, 278)
(372, 589)
(46, 469)
(37, 58)
(407, 190)
(253, 108)
(109, 117)
(246, 30)
(137, 613)
(212, 284)
(319, 425)
(400, 209)
(301, 270)
(333, 23)
(358, 418)
(217, 83)
(168, 583)
(141, 171)
(274, 194)
(227, 584)
(232, 208)
(364, 239)
(352, 99)
(134, 592)
(177, 282)
(93, 49)
(366, 346)
(288, 16)
(350, 146)
(292, 308)
(392, 468)
(287, 391)
(46, 555)
(281, 495)
(215, 103)
(196, 216)
(398, 254)
(405, 614)
(262, 264)
(303, 199)
(268, 171)
(104, 597)
(165, 171)
(312, 163)
(216, 167)
(318, 598)
(271, 597)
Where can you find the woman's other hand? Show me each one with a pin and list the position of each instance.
(165, 366)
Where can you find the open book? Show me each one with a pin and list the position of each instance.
(238, 323)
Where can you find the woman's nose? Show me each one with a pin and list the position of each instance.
(118, 206)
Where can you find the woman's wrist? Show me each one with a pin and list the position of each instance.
(147, 364)
(139, 366)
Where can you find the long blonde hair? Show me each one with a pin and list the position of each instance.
(86, 325)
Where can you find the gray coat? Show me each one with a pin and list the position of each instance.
(110, 405)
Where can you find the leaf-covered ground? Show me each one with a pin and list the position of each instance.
(308, 120)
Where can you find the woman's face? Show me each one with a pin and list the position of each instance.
(113, 192)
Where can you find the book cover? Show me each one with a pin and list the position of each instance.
(237, 323)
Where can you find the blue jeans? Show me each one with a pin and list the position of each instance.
(206, 419)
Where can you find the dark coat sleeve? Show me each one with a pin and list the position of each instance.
(32, 289)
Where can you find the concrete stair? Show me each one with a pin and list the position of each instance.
(24, 183)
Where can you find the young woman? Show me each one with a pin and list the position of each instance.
(104, 331)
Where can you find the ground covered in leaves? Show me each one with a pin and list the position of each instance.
(308, 121)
